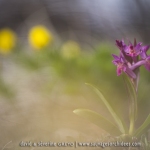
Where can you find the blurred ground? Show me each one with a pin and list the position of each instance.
(43, 109)
(44, 97)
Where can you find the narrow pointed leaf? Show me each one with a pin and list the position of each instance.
(112, 112)
(143, 127)
(98, 120)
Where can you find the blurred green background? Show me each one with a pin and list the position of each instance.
(42, 80)
(40, 90)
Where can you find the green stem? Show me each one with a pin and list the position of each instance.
(133, 111)
(132, 93)
(131, 128)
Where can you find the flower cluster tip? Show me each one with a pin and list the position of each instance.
(131, 57)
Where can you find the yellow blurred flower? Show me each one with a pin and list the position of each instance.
(39, 37)
(70, 49)
(7, 40)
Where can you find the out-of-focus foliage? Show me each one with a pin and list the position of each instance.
(70, 50)
(70, 66)
(6, 91)
(47, 83)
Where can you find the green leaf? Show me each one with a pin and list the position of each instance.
(143, 127)
(112, 112)
(98, 120)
